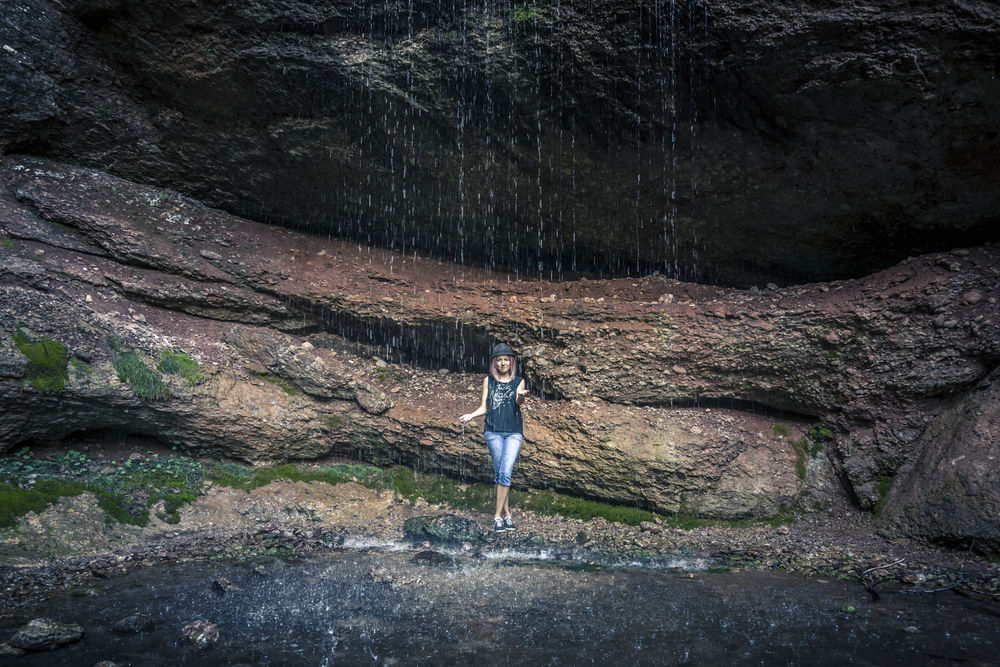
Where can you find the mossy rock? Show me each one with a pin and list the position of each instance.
(445, 529)
(48, 363)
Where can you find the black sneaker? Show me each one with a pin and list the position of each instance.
(508, 523)
(498, 525)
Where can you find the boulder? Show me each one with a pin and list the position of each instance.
(43, 634)
(950, 493)
(444, 529)
(133, 624)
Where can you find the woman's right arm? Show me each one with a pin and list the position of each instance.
(482, 406)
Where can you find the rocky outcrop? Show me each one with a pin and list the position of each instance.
(952, 489)
(738, 141)
(683, 398)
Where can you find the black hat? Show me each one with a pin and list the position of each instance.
(501, 349)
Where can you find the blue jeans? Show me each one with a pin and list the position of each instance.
(503, 449)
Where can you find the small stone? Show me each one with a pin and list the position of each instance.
(136, 456)
(680, 370)
(772, 286)
(831, 338)
(973, 297)
(783, 530)
(89, 299)
(208, 254)
(200, 633)
(133, 624)
(912, 629)
(849, 610)
(7, 649)
(105, 663)
(666, 298)
(307, 345)
(649, 527)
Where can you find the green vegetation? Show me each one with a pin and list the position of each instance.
(145, 382)
(48, 362)
(16, 502)
(125, 493)
(242, 477)
(7, 244)
(81, 366)
(882, 486)
(781, 430)
(801, 448)
(178, 363)
(128, 490)
(284, 385)
(524, 13)
(396, 374)
(820, 434)
(334, 422)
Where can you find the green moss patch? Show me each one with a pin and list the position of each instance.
(15, 502)
(781, 430)
(145, 382)
(125, 492)
(178, 363)
(242, 477)
(48, 363)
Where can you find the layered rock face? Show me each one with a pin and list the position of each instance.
(681, 397)
(737, 142)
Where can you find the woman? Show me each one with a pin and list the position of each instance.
(503, 393)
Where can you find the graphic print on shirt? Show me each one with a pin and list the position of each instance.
(502, 393)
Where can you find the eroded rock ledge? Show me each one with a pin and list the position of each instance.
(657, 392)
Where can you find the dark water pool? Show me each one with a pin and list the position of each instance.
(329, 612)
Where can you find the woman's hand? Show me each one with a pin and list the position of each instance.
(521, 393)
(465, 419)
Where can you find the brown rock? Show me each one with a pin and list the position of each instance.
(201, 634)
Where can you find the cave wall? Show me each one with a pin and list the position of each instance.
(732, 142)
(878, 392)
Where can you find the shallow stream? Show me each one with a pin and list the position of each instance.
(328, 611)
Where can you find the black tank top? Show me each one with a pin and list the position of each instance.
(503, 414)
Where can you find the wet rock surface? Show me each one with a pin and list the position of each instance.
(43, 634)
(682, 397)
(133, 624)
(201, 634)
(445, 529)
(801, 140)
